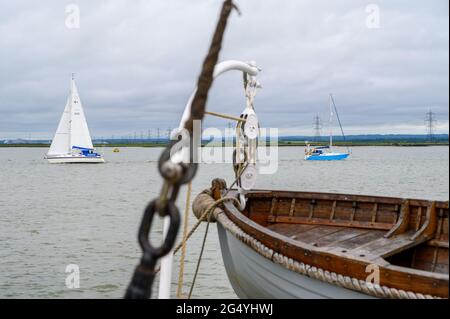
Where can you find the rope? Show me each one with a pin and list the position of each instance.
(203, 217)
(182, 244)
(208, 214)
(315, 272)
(198, 223)
(200, 256)
(183, 248)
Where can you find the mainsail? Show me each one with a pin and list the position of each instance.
(79, 131)
(72, 129)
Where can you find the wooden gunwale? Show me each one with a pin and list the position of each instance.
(342, 197)
(346, 264)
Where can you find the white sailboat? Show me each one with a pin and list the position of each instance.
(72, 142)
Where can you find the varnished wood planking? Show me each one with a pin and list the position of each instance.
(322, 209)
(315, 233)
(385, 247)
(444, 231)
(302, 207)
(263, 194)
(360, 240)
(287, 229)
(328, 222)
(435, 256)
(343, 234)
(364, 212)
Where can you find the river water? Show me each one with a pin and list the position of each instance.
(52, 216)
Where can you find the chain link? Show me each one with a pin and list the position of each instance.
(175, 175)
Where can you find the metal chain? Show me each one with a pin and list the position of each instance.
(175, 175)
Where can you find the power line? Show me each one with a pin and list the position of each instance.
(169, 130)
(430, 124)
(317, 125)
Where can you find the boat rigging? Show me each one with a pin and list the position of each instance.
(325, 153)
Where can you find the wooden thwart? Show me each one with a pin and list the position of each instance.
(388, 246)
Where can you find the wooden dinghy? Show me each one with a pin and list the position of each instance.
(319, 245)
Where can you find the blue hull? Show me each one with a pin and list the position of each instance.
(325, 157)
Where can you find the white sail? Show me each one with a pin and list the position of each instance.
(61, 140)
(72, 142)
(79, 131)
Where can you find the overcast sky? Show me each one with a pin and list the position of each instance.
(136, 63)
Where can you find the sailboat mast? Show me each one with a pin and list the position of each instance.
(331, 122)
(339, 121)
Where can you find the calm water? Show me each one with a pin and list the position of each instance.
(55, 215)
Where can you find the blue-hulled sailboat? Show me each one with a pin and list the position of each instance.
(325, 153)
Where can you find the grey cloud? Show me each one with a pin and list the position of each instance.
(136, 63)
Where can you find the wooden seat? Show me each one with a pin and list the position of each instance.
(385, 247)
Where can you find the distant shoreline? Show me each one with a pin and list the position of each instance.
(280, 143)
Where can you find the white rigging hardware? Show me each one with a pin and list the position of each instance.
(249, 138)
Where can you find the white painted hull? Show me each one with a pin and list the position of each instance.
(74, 159)
(256, 277)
